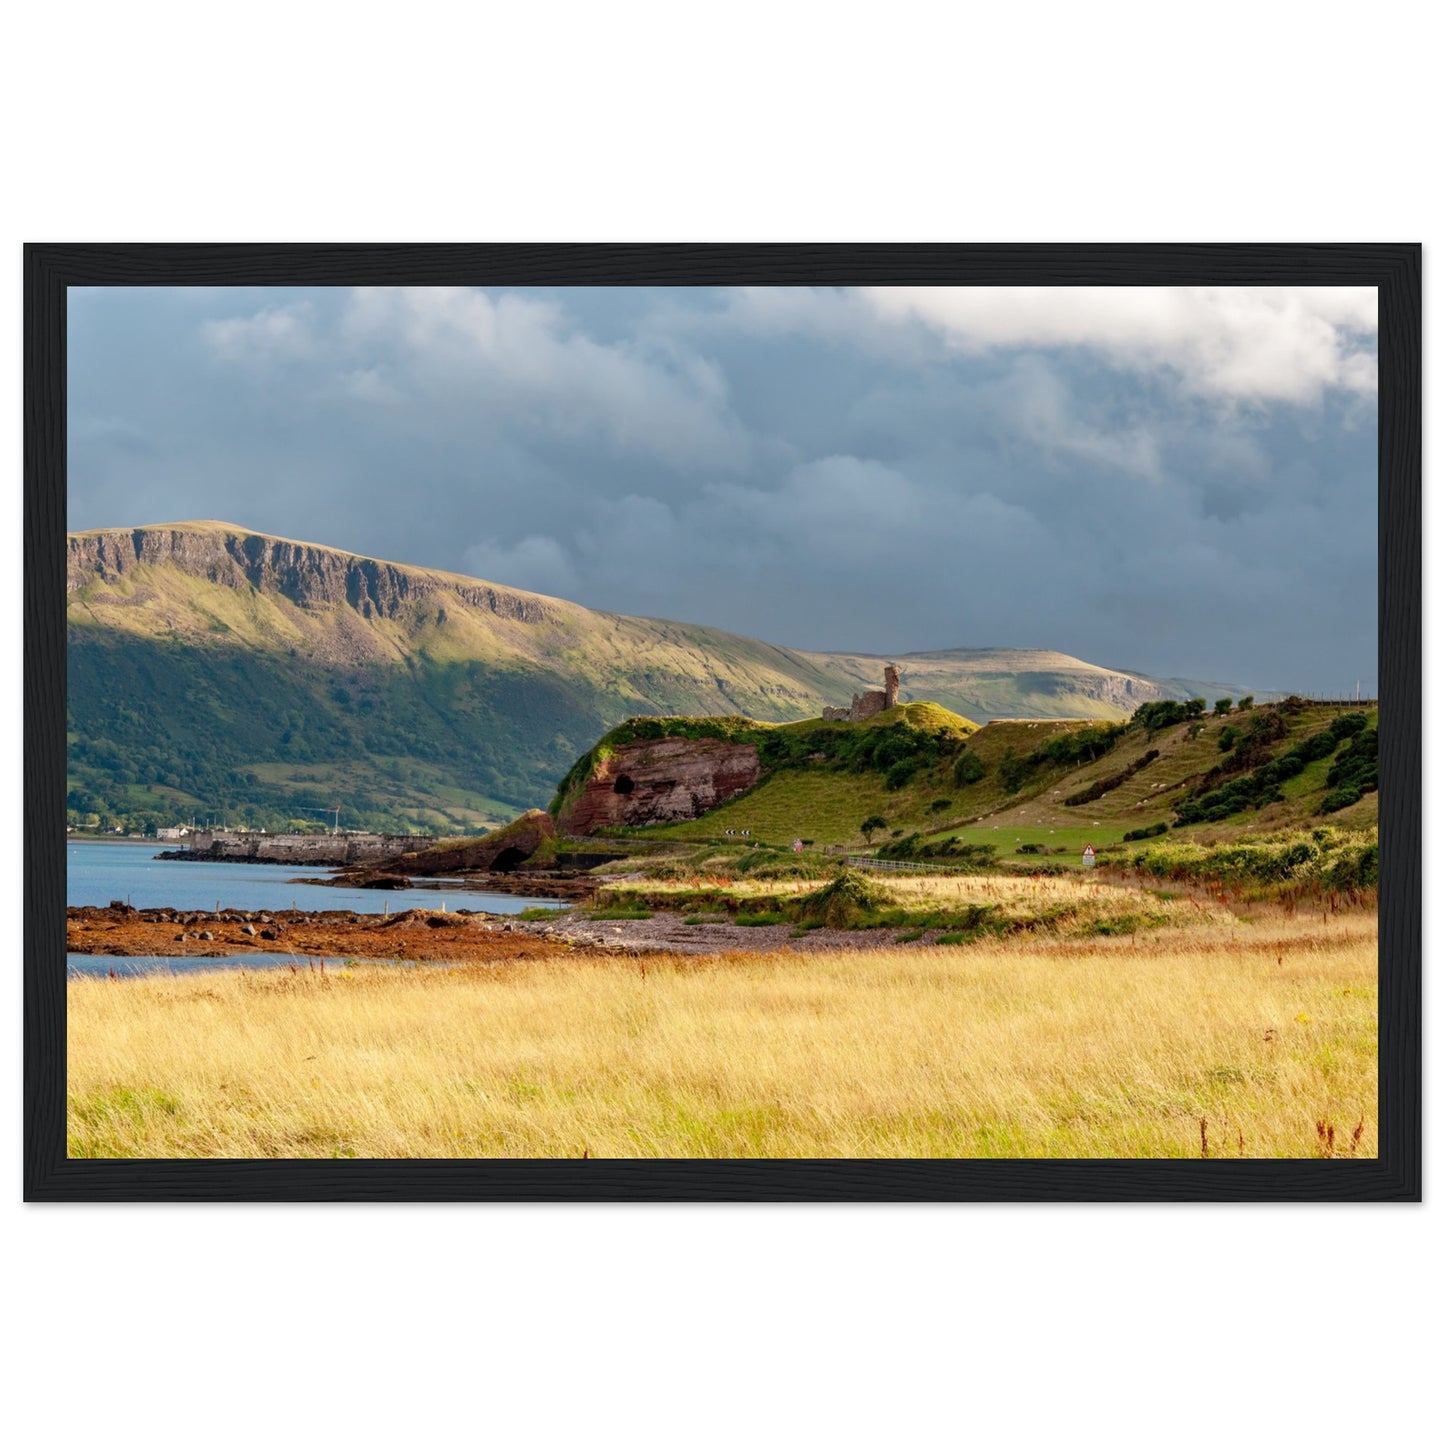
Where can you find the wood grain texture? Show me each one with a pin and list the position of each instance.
(1395, 269)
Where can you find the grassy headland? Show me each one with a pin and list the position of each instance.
(926, 787)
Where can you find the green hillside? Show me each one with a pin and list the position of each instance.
(216, 672)
(1042, 790)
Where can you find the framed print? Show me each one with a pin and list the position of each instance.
(674, 722)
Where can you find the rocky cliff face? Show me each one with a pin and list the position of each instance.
(308, 575)
(663, 780)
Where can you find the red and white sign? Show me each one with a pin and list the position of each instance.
(1088, 850)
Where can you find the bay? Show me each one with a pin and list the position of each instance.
(99, 873)
(104, 965)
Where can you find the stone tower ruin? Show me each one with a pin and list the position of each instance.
(868, 704)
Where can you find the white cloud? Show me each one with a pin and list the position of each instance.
(510, 362)
(1250, 343)
(520, 355)
(275, 333)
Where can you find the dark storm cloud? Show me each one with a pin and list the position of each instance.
(1178, 482)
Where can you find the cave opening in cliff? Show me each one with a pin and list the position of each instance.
(623, 785)
(507, 860)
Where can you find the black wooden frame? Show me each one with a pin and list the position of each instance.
(1395, 269)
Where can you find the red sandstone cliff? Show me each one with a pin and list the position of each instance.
(663, 780)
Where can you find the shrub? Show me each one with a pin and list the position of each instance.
(1340, 798)
(1330, 858)
(1246, 702)
(1152, 831)
(1268, 725)
(1012, 770)
(940, 805)
(1228, 736)
(900, 774)
(1222, 706)
(1153, 717)
(1261, 787)
(1083, 745)
(1348, 724)
(968, 769)
(1321, 745)
(1353, 868)
(951, 850)
(1357, 767)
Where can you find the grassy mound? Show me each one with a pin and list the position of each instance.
(924, 716)
(849, 900)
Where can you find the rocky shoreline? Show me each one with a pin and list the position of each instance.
(415, 934)
(425, 936)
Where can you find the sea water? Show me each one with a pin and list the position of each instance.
(100, 873)
(104, 965)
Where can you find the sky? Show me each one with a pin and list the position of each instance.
(1175, 481)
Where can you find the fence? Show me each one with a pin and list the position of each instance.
(1319, 699)
(902, 865)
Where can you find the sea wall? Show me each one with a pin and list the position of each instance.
(321, 849)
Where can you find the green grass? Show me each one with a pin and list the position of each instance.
(1065, 845)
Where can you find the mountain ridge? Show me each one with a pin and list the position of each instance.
(215, 666)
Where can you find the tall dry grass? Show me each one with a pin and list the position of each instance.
(1244, 1038)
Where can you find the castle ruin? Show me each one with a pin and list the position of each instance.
(868, 704)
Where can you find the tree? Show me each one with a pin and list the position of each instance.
(1194, 707)
(1222, 706)
(1246, 702)
(869, 826)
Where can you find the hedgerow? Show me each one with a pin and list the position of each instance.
(1334, 859)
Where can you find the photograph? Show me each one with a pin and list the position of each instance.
(722, 722)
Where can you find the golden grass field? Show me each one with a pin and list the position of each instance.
(1262, 1028)
(1090, 901)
